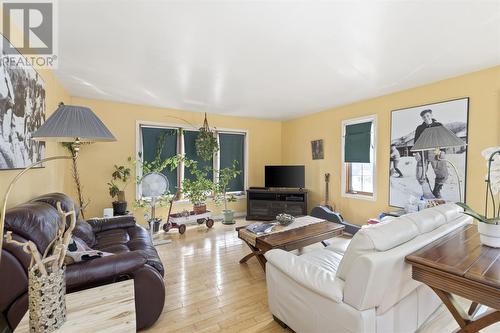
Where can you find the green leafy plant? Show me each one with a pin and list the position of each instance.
(206, 144)
(199, 188)
(159, 164)
(492, 156)
(120, 178)
(481, 218)
(226, 175)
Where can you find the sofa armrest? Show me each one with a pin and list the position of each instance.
(108, 223)
(307, 274)
(105, 268)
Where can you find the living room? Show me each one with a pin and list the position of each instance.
(251, 166)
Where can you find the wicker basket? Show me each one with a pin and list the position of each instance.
(47, 301)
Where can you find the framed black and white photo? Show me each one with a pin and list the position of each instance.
(317, 150)
(22, 112)
(430, 172)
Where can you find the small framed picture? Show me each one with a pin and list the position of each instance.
(317, 150)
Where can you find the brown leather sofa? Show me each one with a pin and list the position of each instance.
(134, 258)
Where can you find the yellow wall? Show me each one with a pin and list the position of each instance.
(482, 87)
(96, 161)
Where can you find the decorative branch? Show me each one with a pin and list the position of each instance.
(67, 235)
(30, 248)
(59, 245)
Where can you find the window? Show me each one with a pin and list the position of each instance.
(358, 158)
(172, 140)
(232, 149)
(164, 141)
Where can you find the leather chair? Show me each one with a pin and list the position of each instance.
(134, 258)
(364, 286)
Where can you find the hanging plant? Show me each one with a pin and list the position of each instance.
(206, 142)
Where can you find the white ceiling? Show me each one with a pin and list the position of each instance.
(272, 59)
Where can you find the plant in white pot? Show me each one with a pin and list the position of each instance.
(489, 224)
(225, 176)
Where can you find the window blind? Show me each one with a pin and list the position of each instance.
(163, 140)
(232, 148)
(357, 143)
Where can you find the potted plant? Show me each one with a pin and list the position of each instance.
(489, 225)
(206, 142)
(221, 188)
(198, 189)
(120, 178)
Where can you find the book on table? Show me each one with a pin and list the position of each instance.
(259, 228)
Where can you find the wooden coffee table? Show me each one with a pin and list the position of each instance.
(290, 239)
(458, 264)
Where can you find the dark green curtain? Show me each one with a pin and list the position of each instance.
(190, 153)
(232, 148)
(167, 138)
(357, 143)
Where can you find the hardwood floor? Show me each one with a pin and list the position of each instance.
(209, 291)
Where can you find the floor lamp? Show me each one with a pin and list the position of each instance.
(437, 138)
(73, 124)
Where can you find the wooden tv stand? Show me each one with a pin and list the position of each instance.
(265, 204)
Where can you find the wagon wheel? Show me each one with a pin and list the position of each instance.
(166, 226)
(182, 229)
(210, 223)
(200, 221)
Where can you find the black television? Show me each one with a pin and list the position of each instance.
(285, 176)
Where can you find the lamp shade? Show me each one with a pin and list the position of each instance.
(69, 123)
(437, 137)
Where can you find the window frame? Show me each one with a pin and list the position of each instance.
(181, 150)
(345, 167)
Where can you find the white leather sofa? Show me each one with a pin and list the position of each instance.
(363, 285)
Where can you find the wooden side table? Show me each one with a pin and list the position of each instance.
(458, 264)
(109, 308)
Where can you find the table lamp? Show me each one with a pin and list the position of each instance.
(69, 123)
(437, 138)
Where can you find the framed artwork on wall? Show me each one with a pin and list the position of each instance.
(317, 150)
(427, 173)
(22, 112)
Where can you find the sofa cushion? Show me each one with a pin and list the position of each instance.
(307, 271)
(450, 210)
(134, 238)
(377, 237)
(339, 245)
(83, 230)
(328, 260)
(67, 203)
(386, 236)
(35, 221)
(426, 220)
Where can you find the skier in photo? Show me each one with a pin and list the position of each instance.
(395, 157)
(424, 158)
